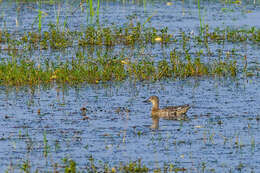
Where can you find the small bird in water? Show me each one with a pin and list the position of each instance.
(169, 113)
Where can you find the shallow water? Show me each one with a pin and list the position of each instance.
(221, 133)
(223, 123)
(180, 14)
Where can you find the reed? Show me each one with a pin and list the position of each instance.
(201, 27)
(39, 21)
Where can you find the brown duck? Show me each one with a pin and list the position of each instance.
(169, 113)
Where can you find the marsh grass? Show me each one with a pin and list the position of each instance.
(131, 167)
(131, 33)
(102, 68)
(95, 166)
(55, 38)
(106, 68)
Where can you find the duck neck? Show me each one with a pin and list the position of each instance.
(155, 105)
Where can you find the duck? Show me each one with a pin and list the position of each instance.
(169, 113)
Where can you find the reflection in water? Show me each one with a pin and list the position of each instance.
(155, 124)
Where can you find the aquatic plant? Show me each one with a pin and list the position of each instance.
(111, 68)
(46, 146)
(131, 33)
(55, 38)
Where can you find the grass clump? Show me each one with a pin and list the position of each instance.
(133, 167)
(53, 38)
(104, 68)
(130, 34)
(57, 39)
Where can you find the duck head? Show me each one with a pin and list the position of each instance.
(154, 100)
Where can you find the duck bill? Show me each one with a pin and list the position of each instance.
(146, 101)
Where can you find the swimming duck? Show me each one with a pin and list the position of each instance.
(170, 112)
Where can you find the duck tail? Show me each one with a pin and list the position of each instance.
(187, 107)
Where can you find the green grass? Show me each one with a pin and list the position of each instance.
(94, 166)
(179, 63)
(54, 38)
(130, 34)
(106, 68)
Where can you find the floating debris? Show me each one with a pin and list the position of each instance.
(169, 3)
(158, 39)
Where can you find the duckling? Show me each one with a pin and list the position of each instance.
(169, 113)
